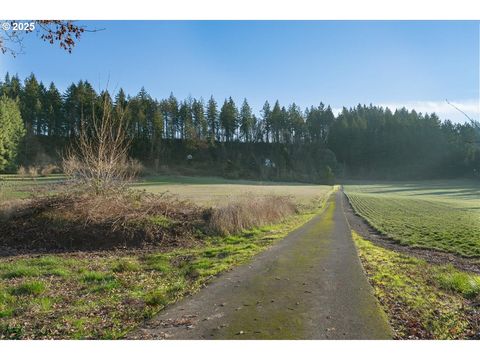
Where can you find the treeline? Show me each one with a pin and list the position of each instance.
(223, 138)
(376, 142)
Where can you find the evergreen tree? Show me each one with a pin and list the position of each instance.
(121, 99)
(5, 85)
(199, 119)
(156, 127)
(186, 120)
(53, 112)
(296, 123)
(228, 119)
(212, 120)
(175, 129)
(31, 105)
(15, 88)
(11, 87)
(258, 131)
(285, 126)
(267, 121)
(276, 121)
(70, 109)
(246, 122)
(12, 132)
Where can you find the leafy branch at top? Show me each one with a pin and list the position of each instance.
(65, 33)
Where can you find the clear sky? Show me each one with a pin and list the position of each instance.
(342, 63)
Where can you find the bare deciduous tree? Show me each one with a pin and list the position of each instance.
(98, 159)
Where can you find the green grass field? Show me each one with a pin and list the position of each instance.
(206, 191)
(442, 215)
(215, 191)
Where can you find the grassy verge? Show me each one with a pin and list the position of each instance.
(422, 301)
(105, 295)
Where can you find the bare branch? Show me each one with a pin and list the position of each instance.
(474, 122)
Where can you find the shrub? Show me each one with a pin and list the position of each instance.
(22, 171)
(33, 171)
(49, 169)
(71, 166)
(250, 211)
(134, 168)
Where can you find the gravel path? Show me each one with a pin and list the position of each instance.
(309, 285)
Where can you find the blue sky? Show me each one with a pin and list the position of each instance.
(342, 63)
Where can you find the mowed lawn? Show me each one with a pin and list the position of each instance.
(211, 191)
(442, 215)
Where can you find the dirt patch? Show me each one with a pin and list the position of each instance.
(364, 229)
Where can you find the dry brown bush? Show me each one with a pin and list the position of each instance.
(82, 220)
(250, 211)
(49, 169)
(134, 168)
(71, 166)
(22, 171)
(33, 171)
(9, 207)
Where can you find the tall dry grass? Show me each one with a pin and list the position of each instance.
(22, 171)
(249, 211)
(31, 171)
